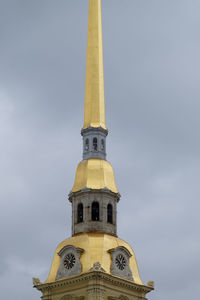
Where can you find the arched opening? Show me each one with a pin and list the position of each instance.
(95, 211)
(95, 145)
(87, 144)
(80, 213)
(109, 213)
(102, 145)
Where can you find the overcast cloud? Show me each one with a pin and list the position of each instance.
(152, 70)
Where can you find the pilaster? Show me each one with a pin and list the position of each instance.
(95, 293)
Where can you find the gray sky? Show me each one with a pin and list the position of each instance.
(152, 65)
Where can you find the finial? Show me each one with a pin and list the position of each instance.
(150, 283)
(36, 281)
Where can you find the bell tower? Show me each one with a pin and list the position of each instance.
(94, 264)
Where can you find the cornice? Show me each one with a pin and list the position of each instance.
(89, 190)
(94, 275)
(95, 129)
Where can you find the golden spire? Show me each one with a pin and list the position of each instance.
(94, 114)
(94, 172)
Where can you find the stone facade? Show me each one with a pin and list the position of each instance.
(87, 197)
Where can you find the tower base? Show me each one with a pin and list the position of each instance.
(94, 285)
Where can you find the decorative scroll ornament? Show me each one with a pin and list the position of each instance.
(150, 283)
(36, 281)
(97, 267)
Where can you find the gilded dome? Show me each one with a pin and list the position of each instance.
(96, 247)
(95, 174)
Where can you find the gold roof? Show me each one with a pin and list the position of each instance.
(95, 246)
(95, 174)
(94, 114)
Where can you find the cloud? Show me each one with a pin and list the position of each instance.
(151, 54)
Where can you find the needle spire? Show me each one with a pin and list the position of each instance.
(94, 112)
